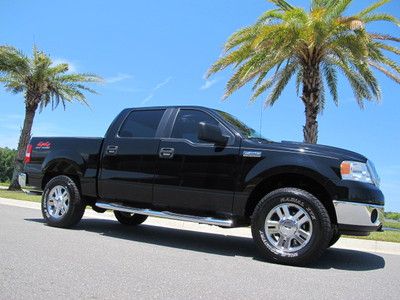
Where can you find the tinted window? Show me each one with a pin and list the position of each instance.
(141, 123)
(187, 124)
(244, 130)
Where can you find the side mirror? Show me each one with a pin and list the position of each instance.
(211, 133)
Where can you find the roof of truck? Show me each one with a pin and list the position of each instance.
(172, 106)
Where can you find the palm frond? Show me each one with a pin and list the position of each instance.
(325, 39)
(282, 4)
(82, 77)
(43, 82)
(380, 17)
(337, 8)
(263, 87)
(299, 80)
(372, 7)
(240, 36)
(270, 16)
(321, 99)
(358, 84)
(13, 60)
(235, 57)
(331, 80)
(315, 4)
(282, 80)
(384, 37)
(389, 74)
(387, 48)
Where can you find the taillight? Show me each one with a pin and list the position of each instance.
(28, 154)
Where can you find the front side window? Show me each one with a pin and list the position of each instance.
(245, 130)
(187, 124)
(141, 124)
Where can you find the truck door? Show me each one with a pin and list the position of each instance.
(193, 175)
(129, 158)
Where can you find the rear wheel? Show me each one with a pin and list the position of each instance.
(290, 226)
(62, 205)
(126, 218)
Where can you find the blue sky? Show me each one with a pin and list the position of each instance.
(157, 52)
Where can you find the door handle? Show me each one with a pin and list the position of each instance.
(166, 152)
(111, 150)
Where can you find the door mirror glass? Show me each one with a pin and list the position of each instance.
(211, 133)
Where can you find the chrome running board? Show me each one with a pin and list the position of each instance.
(166, 214)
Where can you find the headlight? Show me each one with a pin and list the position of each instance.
(358, 171)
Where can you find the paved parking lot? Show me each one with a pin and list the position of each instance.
(103, 259)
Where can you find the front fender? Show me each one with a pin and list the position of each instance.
(273, 164)
(300, 165)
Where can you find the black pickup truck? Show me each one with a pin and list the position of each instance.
(203, 165)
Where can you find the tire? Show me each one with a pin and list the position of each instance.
(128, 218)
(61, 193)
(285, 239)
(335, 237)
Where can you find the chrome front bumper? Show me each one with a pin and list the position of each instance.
(359, 214)
(22, 179)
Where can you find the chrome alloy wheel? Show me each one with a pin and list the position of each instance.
(288, 227)
(58, 201)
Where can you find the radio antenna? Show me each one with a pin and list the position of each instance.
(261, 115)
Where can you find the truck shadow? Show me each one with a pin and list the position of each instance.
(226, 245)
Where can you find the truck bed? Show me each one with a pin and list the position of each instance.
(82, 152)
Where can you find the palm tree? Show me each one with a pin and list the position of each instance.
(42, 83)
(311, 46)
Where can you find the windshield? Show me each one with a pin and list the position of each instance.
(242, 128)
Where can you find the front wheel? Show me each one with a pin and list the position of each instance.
(126, 218)
(62, 205)
(335, 237)
(291, 226)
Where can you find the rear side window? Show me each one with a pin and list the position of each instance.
(141, 123)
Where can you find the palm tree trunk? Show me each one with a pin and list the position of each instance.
(310, 97)
(24, 138)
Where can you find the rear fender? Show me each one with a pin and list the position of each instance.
(64, 162)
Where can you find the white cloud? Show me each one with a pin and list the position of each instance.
(72, 67)
(161, 84)
(157, 87)
(119, 77)
(208, 83)
(148, 98)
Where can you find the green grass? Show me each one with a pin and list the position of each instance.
(392, 224)
(4, 184)
(19, 196)
(386, 236)
(392, 215)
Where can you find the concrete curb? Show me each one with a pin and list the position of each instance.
(343, 243)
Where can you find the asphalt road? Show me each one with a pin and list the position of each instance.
(103, 259)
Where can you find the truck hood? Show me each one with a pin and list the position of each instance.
(305, 148)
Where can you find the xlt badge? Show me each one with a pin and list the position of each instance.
(251, 153)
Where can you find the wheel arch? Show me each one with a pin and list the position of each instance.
(68, 164)
(310, 183)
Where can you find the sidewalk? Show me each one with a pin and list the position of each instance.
(343, 243)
